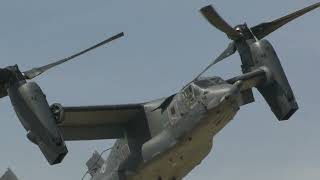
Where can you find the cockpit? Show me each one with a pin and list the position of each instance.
(192, 93)
(188, 95)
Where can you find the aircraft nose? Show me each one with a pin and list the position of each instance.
(224, 94)
(214, 102)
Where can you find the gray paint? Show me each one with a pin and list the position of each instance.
(178, 133)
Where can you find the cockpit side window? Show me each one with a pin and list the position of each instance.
(196, 92)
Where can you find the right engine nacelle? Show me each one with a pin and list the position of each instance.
(277, 91)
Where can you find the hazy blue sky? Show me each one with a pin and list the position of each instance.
(167, 43)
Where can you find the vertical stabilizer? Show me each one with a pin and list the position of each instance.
(94, 163)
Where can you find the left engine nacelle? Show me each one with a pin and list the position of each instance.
(34, 113)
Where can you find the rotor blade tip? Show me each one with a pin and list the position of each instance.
(206, 7)
(119, 35)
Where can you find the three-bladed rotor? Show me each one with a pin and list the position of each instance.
(242, 33)
(13, 74)
(32, 107)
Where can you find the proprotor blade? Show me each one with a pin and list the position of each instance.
(231, 49)
(37, 71)
(216, 20)
(264, 29)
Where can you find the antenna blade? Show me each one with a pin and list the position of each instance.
(216, 20)
(30, 74)
(264, 29)
(231, 49)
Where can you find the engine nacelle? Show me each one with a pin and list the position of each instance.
(277, 90)
(34, 113)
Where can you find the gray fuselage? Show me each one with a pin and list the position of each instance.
(181, 135)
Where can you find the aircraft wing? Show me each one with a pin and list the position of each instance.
(97, 122)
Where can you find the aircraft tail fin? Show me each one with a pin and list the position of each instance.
(9, 175)
(94, 163)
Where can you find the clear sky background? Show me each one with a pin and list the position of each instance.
(166, 44)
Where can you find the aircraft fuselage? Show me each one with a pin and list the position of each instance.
(181, 135)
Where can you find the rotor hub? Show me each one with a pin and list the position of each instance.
(244, 30)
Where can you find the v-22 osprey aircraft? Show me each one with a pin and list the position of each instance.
(166, 138)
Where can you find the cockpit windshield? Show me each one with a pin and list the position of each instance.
(207, 82)
(190, 94)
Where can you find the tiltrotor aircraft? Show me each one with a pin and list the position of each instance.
(166, 138)
(8, 175)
